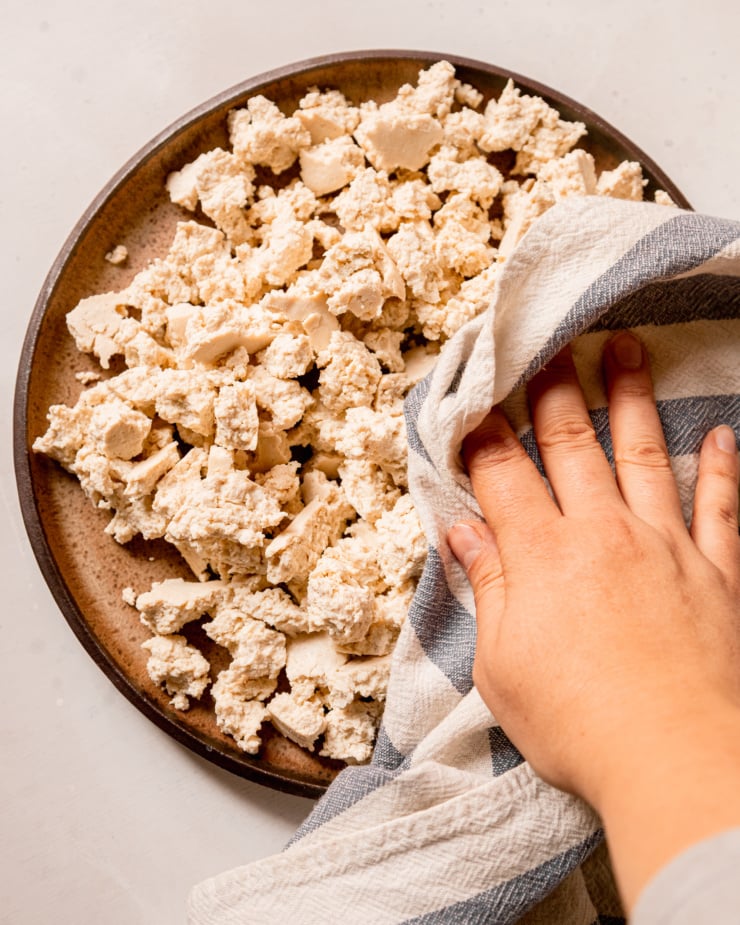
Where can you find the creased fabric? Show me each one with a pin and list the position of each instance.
(447, 824)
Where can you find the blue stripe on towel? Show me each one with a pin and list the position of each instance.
(686, 421)
(704, 297)
(677, 246)
(508, 901)
(445, 629)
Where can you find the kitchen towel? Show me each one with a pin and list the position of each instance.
(447, 824)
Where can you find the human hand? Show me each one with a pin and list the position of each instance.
(607, 631)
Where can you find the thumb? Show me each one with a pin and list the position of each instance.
(475, 548)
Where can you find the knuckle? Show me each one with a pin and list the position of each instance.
(492, 447)
(647, 453)
(635, 388)
(562, 430)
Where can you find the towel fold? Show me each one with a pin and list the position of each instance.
(448, 824)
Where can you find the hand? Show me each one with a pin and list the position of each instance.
(608, 633)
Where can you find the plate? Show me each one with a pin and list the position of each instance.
(87, 570)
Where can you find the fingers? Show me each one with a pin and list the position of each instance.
(474, 546)
(643, 468)
(577, 469)
(714, 526)
(511, 493)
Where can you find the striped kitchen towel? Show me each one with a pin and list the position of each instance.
(447, 824)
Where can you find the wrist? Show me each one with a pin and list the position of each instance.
(670, 786)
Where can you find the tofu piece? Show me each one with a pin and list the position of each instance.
(337, 603)
(393, 137)
(367, 203)
(292, 554)
(141, 478)
(472, 298)
(222, 183)
(172, 603)
(326, 115)
(261, 134)
(302, 721)
(283, 484)
(218, 329)
(258, 651)
(327, 167)
(288, 356)
(474, 176)
(350, 732)
(118, 430)
(350, 373)
(413, 199)
(369, 489)
(285, 399)
(391, 610)
(236, 417)
(462, 236)
(239, 707)
(118, 255)
(401, 544)
(272, 606)
(377, 436)
(521, 209)
(412, 248)
(358, 275)
(95, 325)
(186, 398)
(178, 667)
(360, 677)
(624, 182)
(434, 92)
(224, 517)
(308, 306)
(311, 661)
(574, 174)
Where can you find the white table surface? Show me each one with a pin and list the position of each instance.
(104, 818)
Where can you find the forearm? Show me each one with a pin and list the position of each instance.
(667, 789)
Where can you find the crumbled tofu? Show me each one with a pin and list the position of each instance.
(358, 275)
(329, 166)
(235, 413)
(574, 174)
(117, 255)
(172, 603)
(294, 552)
(254, 416)
(239, 708)
(360, 677)
(663, 199)
(367, 203)
(180, 668)
(222, 184)
(261, 134)
(326, 115)
(402, 546)
(303, 721)
(350, 732)
(394, 137)
(624, 182)
(312, 660)
(288, 356)
(95, 323)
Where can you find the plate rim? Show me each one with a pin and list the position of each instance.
(41, 548)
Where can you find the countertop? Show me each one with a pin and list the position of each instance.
(104, 817)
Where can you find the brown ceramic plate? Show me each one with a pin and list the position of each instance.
(87, 570)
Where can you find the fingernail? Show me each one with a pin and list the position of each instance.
(724, 437)
(465, 544)
(627, 351)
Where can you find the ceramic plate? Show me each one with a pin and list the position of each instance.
(87, 570)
